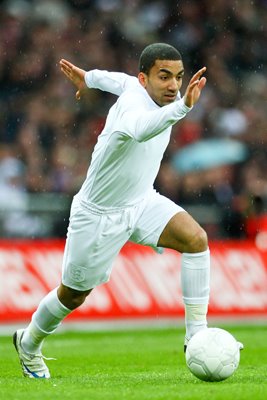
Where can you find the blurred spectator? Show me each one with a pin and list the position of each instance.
(12, 187)
(15, 220)
(50, 136)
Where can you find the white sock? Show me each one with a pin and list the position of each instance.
(195, 283)
(45, 321)
(195, 318)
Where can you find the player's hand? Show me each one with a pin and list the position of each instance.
(75, 75)
(194, 88)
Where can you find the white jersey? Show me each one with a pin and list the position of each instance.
(129, 150)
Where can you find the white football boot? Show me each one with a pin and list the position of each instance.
(186, 340)
(33, 365)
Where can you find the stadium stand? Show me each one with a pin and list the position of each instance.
(46, 137)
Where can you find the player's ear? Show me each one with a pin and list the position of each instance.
(142, 77)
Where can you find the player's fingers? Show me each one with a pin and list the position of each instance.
(193, 84)
(198, 74)
(202, 83)
(66, 66)
(199, 82)
(78, 95)
(66, 63)
(64, 69)
(66, 72)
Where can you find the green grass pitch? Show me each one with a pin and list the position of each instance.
(132, 365)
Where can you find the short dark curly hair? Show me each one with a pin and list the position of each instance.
(157, 51)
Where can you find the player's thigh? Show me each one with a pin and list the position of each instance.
(156, 214)
(184, 234)
(165, 224)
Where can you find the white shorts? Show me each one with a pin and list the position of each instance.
(95, 237)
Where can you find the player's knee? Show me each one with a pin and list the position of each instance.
(78, 298)
(198, 242)
(72, 298)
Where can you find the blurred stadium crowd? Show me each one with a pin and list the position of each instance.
(47, 137)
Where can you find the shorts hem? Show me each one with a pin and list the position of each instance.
(83, 289)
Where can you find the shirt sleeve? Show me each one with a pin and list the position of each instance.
(112, 82)
(143, 125)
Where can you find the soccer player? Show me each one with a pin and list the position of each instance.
(117, 202)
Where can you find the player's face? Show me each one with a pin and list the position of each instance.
(163, 81)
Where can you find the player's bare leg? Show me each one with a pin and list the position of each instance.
(71, 298)
(184, 234)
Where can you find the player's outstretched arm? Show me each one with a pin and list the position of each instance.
(194, 88)
(75, 75)
(112, 82)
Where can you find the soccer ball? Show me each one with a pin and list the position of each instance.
(213, 354)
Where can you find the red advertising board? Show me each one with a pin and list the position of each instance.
(143, 283)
